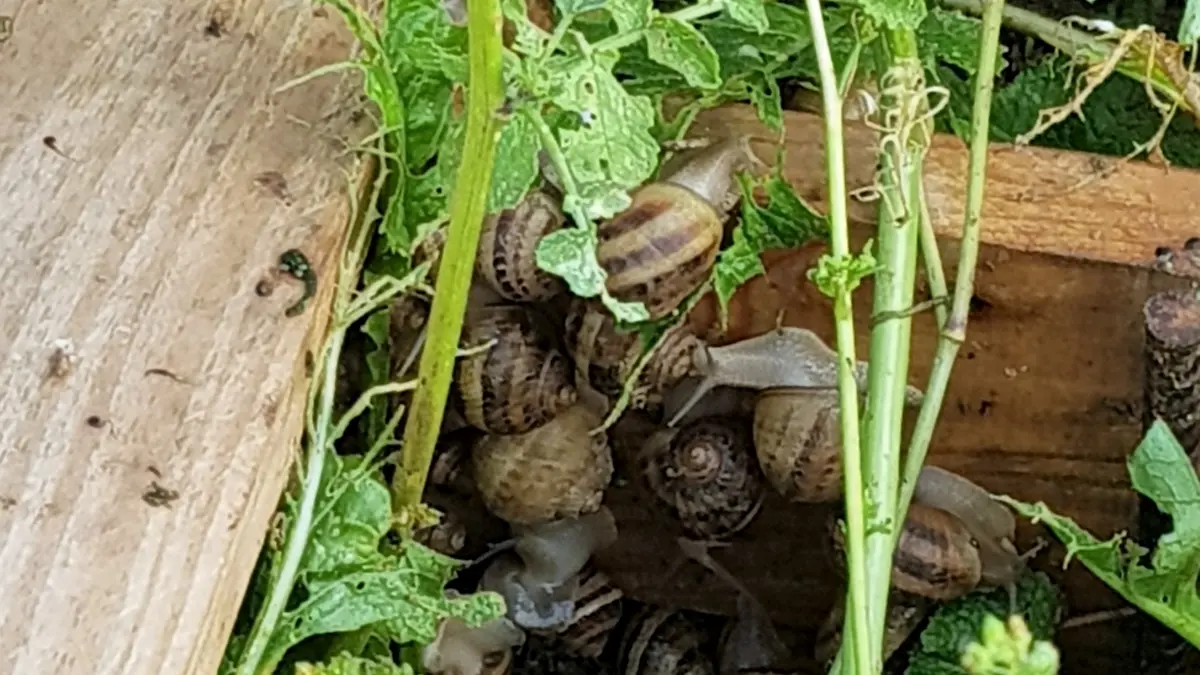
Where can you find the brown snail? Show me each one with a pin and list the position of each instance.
(936, 557)
(660, 641)
(597, 611)
(506, 259)
(705, 474)
(539, 582)
(662, 247)
(522, 381)
(797, 438)
(459, 649)
(990, 523)
(555, 471)
(605, 357)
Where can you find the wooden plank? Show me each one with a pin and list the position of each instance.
(149, 181)
(1037, 200)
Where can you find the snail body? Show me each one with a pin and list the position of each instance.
(660, 641)
(506, 260)
(663, 246)
(522, 381)
(798, 442)
(555, 471)
(605, 357)
(459, 649)
(706, 475)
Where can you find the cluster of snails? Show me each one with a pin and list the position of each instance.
(540, 370)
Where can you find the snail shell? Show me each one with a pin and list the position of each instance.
(798, 442)
(605, 356)
(557, 470)
(519, 384)
(506, 260)
(598, 609)
(707, 477)
(936, 556)
(661, 641)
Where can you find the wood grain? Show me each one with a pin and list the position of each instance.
(1037, 200)
(149, 181)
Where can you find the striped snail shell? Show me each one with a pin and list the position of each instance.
(521, 382)
(557, 470)
(606, 356)
(598, 609)
(936, 557)
(798, 442)
(662, 247)
(707, 477)
(506, 260)
(661, 641)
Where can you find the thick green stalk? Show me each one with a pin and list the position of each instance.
(954, 330)
(859, 635)
(468, 203)
(902, 159)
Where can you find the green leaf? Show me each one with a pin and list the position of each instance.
(427, 110)
(896, 13)
(680, 46)
(570, 253)
(516, 164)
(418, 37)
(376, 329)
(765, 97)
(630, 15)
(1189, 27)
(610, 149)
(345, 664)
(785, 222)
(572, 7)
(346, 532)
(1160, 470)
(529, 40)
(749, 13)
(951, 37)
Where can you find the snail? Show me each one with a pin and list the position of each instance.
(748, 642)
(522, 381)
(786, 357)
(597, 611)
(605, 357)
(556, 471)
(704, 472)
(990, 523)
(798, 442)
(905, 611)
(506, 259)
(539, 582)
(936, 557)
(663, 246)
(659, 641)
(461, 650)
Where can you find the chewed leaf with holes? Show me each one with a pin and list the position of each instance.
(610, 149)
(570, 253)
(516, 165)
(630, 15)
(680, 46)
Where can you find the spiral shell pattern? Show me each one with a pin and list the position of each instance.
(507, 260)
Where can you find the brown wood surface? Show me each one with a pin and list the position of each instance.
(1038, 200)
(133, 503)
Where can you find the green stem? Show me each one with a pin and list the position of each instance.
(954, 329)
(859, 635)
(901, 161)
(1078, 44)
(932, 256)
(485, 93)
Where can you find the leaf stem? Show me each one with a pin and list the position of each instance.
(485, 93)
(835, 166)
(902, 151)
(954, 329)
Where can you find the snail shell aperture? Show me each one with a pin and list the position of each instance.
(707, 476)
(555, 471)
(522, 381)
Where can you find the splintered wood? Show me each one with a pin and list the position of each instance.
(153, 388)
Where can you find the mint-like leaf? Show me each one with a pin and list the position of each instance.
(896, 13)
(630, 15)
(748, 13)
(610, 150)
(516, 164)
(679, 45)
(1160, 470)
(345, 664)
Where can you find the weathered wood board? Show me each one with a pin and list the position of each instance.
(153, 390)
